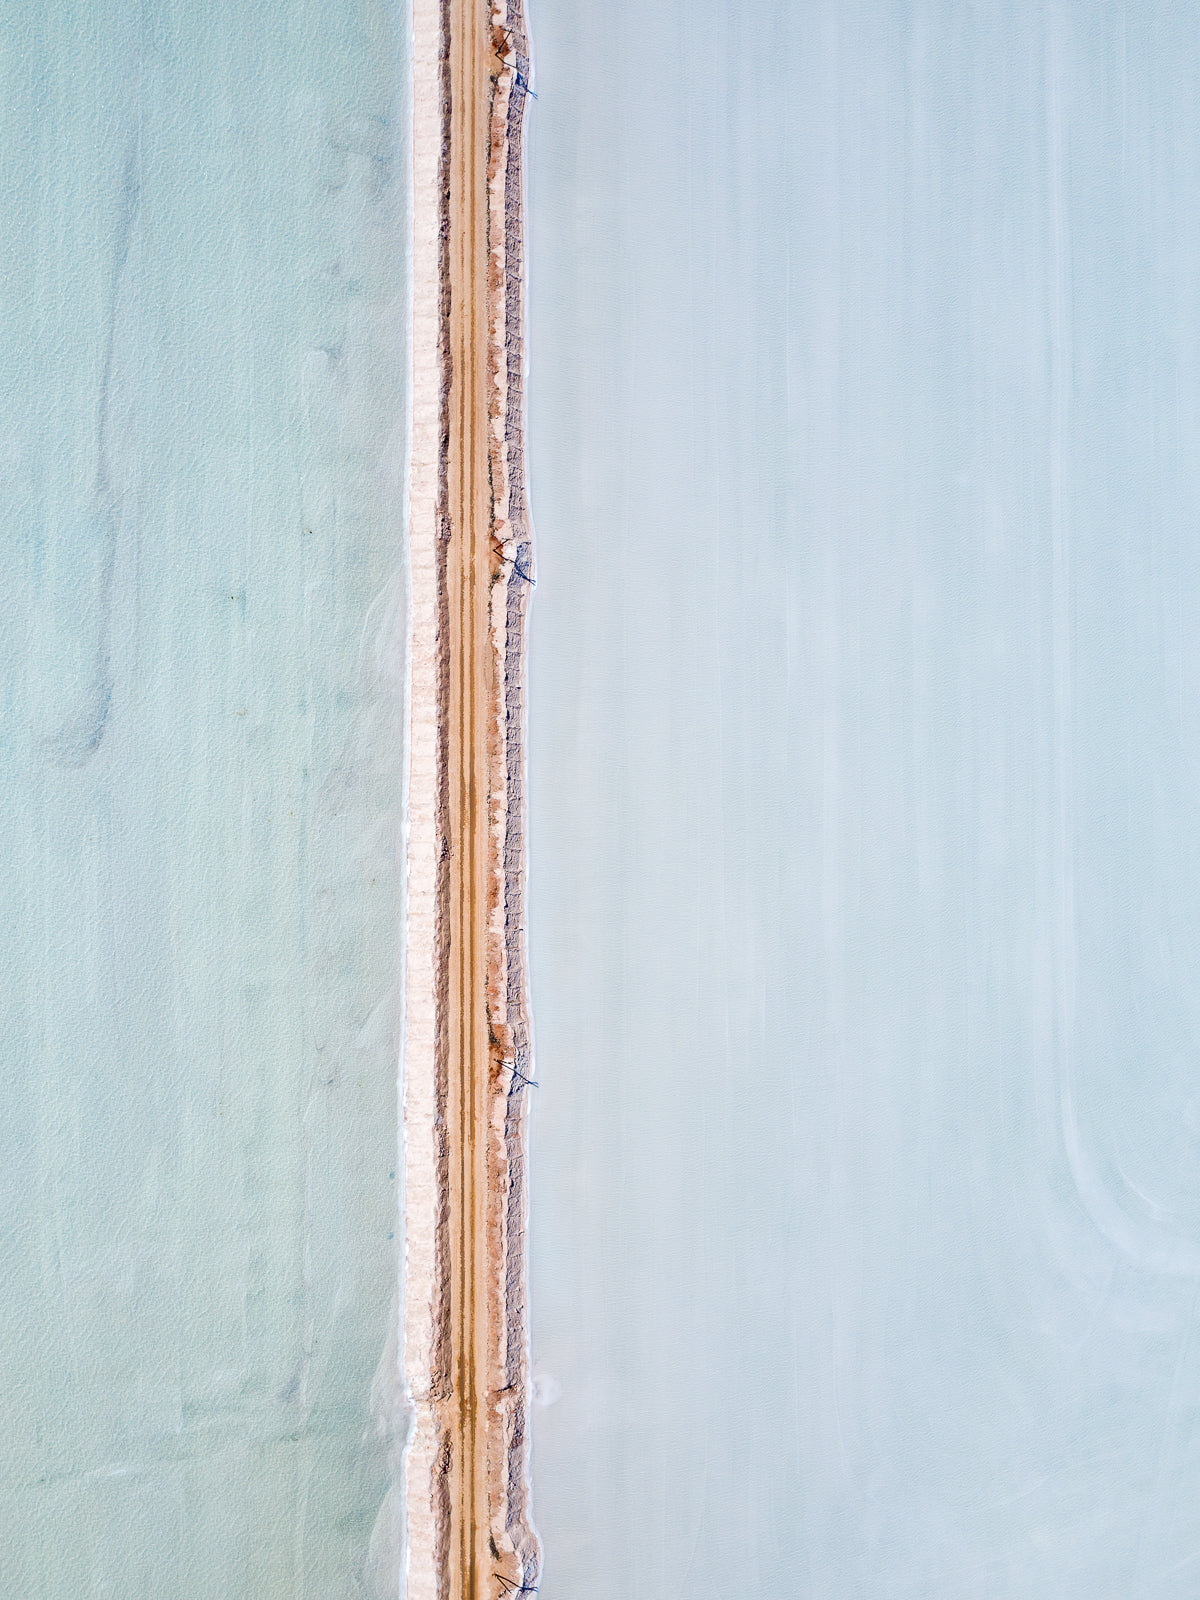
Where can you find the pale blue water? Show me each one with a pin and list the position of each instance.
(865, 753)
(202, 415)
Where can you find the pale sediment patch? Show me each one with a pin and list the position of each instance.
(423, 1197)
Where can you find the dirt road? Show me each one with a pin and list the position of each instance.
(466, 1361)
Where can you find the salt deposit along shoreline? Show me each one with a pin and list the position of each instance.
(467, 1061)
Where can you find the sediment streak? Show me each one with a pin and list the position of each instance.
(467, 1065)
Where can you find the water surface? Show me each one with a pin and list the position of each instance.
(202, 302)
(864, 416)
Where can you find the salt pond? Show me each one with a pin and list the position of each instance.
(864, 407)
(202, 477)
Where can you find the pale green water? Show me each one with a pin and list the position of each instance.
(201, 468)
